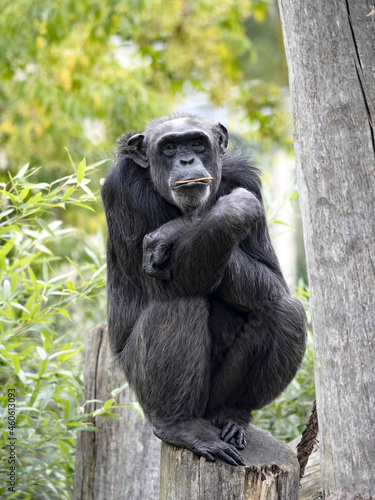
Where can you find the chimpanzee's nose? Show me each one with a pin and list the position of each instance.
(187, 161)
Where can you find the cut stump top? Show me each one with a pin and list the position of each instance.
(271, 473)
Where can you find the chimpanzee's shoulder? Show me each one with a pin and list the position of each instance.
(239, 170)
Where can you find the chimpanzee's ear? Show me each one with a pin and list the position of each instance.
(222, 136)
(137, 149)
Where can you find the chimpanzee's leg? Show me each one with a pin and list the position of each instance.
(167, 361)
(261, 361)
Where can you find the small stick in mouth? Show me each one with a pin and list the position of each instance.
(195, 180)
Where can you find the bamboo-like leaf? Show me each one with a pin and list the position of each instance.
(43, 224)
(108, 404)
(6, 289)
(42, 353)
(79, 204)
(6, 212)
(139, 409)
(13, 198)
(70, 159)
(7, 247)
(119, 389)
(68, 193)
(25, 191)
(81, 171)
(22, 171)
(64, 312)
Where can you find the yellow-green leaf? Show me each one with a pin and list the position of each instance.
(81, 170)
(43, 224)
(68, 193)
(25, 191)
(70, 285)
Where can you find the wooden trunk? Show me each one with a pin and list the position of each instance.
(271, 473)
(121, 461)
(330, 49)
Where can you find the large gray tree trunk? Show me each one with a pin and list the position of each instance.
(330, 46)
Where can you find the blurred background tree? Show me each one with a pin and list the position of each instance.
(78, 74)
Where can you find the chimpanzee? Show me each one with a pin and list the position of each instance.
(199, 314)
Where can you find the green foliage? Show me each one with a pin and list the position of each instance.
(68, 68)
(39, 346)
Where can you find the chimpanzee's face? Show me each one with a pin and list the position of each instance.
(184, 157)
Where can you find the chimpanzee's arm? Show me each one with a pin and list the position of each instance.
(246, 275)
(249, 284)
(201, 251)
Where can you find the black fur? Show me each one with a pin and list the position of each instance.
(199, 314)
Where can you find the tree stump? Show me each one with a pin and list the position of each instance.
(121, 461)
(271, 473)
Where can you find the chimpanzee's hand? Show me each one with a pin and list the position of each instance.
(240, 207)
(157, 247)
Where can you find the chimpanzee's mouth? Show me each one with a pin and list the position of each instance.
(193, 182)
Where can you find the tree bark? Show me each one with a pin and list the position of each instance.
(121, 461)
(330, 47)
(271, 473)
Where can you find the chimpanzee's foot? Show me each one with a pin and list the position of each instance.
(231, 423)
(200, 437)
(233, 434)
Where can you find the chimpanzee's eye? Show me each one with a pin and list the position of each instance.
(199, 146)
(169, 149)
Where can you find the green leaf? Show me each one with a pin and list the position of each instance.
(45, 226)
(96, 164)
(81, 171)
(22, 171)
(7, 247)
(45, 271)
(139, 409)
(33, 279)
(42, 368)
(12, 197)
(35, 393)
(44, 249)
(42, 353)
(70, 159)
(22, 376)
(111, 415)
(88, 191)
(108, 404)
(6, 212)
(20, 306)
(66, 451)
(34, 199)
(68, 193)
(119, 389)
(16, 363)
(64, 312)
(25, 191)
(7, 289)
(83, 206)
(70, 286)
